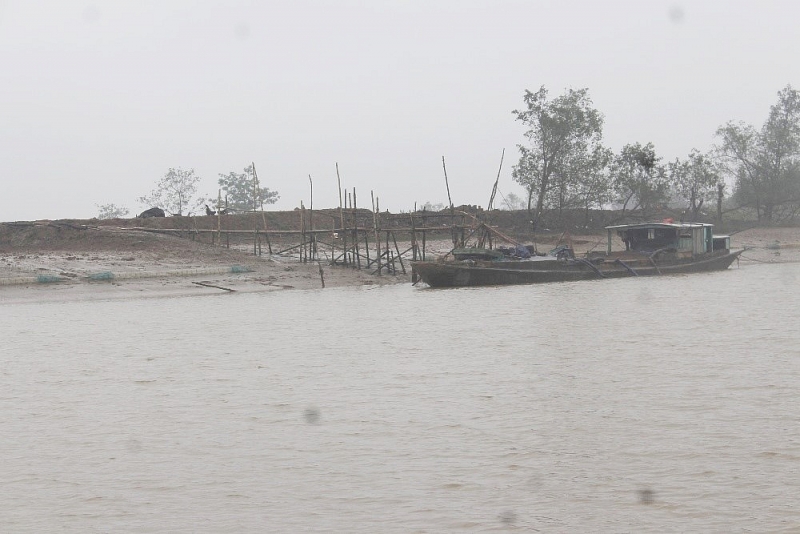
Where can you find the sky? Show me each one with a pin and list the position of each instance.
(99, 99)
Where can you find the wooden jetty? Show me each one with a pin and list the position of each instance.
(347, 236)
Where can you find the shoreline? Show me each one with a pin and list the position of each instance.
(119, 263)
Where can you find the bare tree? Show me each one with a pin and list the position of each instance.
(174, 192)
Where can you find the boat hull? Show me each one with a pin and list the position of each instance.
(467, 274)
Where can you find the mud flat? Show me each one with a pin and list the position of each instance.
(44, 261)
(47, 260)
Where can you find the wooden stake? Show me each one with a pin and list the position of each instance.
(355, 233)
(261, 203)
(219, 222)
(450, 201)
(313, 245)
(375, 209)
(494, 189)
(446, 183)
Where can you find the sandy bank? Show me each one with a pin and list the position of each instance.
(55, 262)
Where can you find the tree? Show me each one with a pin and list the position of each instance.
(242, 194)
(695, 180)
(174, 192)
(638, 178)
(737, 155)
(765, 164)
(513, 202)
(111, 211)
(562, 134)
(429, 206)
(589, 183)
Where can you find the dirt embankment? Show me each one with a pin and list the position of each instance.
(130, 253)
(69, 257)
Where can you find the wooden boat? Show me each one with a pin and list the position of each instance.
(651, 249)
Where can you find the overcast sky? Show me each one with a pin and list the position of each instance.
(100, 99)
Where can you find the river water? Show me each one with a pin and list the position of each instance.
(665, 404)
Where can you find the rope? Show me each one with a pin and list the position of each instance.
(742, 256)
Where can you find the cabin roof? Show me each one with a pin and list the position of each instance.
(642, 226)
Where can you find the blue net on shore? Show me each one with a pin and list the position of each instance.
(48, 279)
(105, 275)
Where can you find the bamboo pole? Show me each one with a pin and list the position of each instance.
(389, 266)
(344, 229)
(255, 208)
(219, 221)
(413, 237)
(375, 208)
(450, 203)
(447, 184)
(302, 232)
(339, 183)
(399, 256)
(424, 235)
(494, 189)
(313, 245)
(261, 202)
(355, 233)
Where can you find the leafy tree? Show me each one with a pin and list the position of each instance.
(765, 164)
(111, 211)
(738, 156)
(428, 206)
(694, 180)
(562, 134)
(588, 184)
(174, 192)
(639, 180)
(513, 202)
(242, 194)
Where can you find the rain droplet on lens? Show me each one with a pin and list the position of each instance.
(311, 415)
(646, 496)
(676, 14)
(508, 517)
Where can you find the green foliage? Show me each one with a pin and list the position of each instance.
(111, 211)
(563, 150)
(428, 206)
(175, 192)
(765, 164)
(694, 180)
(513, 202)
(639, 180)
(243, 192)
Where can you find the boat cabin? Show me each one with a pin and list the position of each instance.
(685, 239)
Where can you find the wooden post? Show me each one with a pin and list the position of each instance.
(261, 203)
(399, 256)
(302, 232)
(413, 237)
(345, 250)
(313, 245)
(355, 233)
(389, 266)
(375, 209)
(424, 234)
(341, 217)
(219, 221)
(494, 189)
(450, 202)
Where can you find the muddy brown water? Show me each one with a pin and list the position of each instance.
(663, 404)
